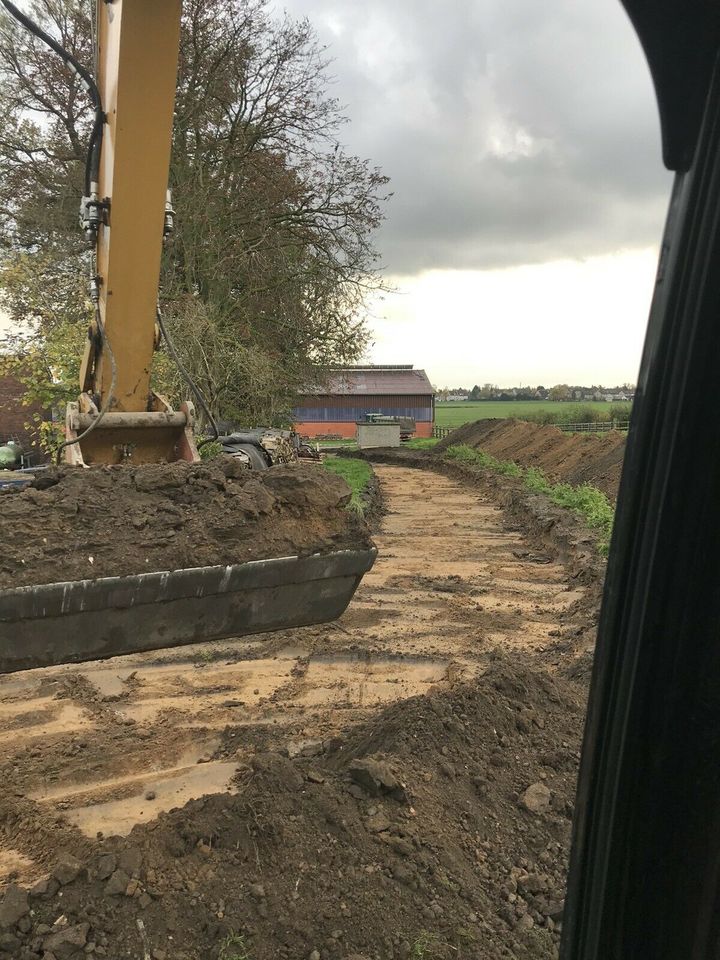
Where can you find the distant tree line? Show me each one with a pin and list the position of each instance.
(561, 392)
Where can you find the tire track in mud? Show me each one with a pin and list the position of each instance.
(98, 748)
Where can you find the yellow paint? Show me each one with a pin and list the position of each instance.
(138, 52)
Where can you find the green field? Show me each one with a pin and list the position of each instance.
(456, 414)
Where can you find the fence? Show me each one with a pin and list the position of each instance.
(601, 426)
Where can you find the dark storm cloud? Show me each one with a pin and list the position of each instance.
(514, 131)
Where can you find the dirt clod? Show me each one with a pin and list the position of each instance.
(14, 905)
(66, 869)
(377, 778)
(537, 798)
(66, 942)
(117, 884)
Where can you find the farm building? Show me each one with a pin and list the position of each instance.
(16, 416)
(353, 392)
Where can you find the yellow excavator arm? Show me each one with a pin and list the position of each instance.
(126, 214)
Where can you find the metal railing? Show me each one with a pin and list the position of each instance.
(601, 426)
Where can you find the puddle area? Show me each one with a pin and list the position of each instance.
(174, 712)
(14, 865)
(118, 817)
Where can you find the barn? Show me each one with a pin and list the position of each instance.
(351, 393)
(16, 416)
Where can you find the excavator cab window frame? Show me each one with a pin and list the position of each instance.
(645, 876)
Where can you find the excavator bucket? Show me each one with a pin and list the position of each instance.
(84, 620)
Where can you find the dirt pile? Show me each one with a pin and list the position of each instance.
(575, 458)
(74, 523)
(439, 828)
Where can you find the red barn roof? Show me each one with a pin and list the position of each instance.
(374, 380)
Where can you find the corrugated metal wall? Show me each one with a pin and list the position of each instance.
(322, 409)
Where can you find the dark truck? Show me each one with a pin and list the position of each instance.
(407, 424)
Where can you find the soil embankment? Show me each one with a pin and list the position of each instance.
(75, 524)
(574, 458)
(397, 784)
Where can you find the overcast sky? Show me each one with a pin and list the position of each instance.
(522, 143)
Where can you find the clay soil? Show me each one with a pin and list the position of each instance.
(398, 784)
(74, 524)
(575, 458)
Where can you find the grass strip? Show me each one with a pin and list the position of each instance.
(357, 475)
(420, 443)
(592, 504)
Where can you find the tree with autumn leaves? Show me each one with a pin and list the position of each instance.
(272, 259)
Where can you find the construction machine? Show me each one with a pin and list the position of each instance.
(125, 213)
(261, 447)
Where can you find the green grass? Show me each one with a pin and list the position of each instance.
(424, 946)
(349, 442)
(233, 947)
(357, 475)
(588, 501)
(420, 443)
(456, 414)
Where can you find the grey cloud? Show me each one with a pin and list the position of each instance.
(513, 131)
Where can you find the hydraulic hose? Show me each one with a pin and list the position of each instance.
(189, 380)
(107, 348)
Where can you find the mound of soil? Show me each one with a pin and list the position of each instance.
(73, 523)
(574, 458)
(439, 829)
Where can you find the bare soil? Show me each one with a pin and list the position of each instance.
(572, 457)
(74, 523)
(397, 784)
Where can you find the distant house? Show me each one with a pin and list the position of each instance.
(352, 392)
(456, 397)
(15, 415)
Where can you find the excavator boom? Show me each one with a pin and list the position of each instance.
(127, 213)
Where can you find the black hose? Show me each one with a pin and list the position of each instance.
(107, 347)
(189, 380)
(92, 163)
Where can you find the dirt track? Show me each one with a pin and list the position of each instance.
(105, 747)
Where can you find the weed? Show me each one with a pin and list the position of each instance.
(479, 458)
(204, 657)
(233, 947)
(424, 943)
(430, 945)
(209, 450)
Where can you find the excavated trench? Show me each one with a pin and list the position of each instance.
(91, 752)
